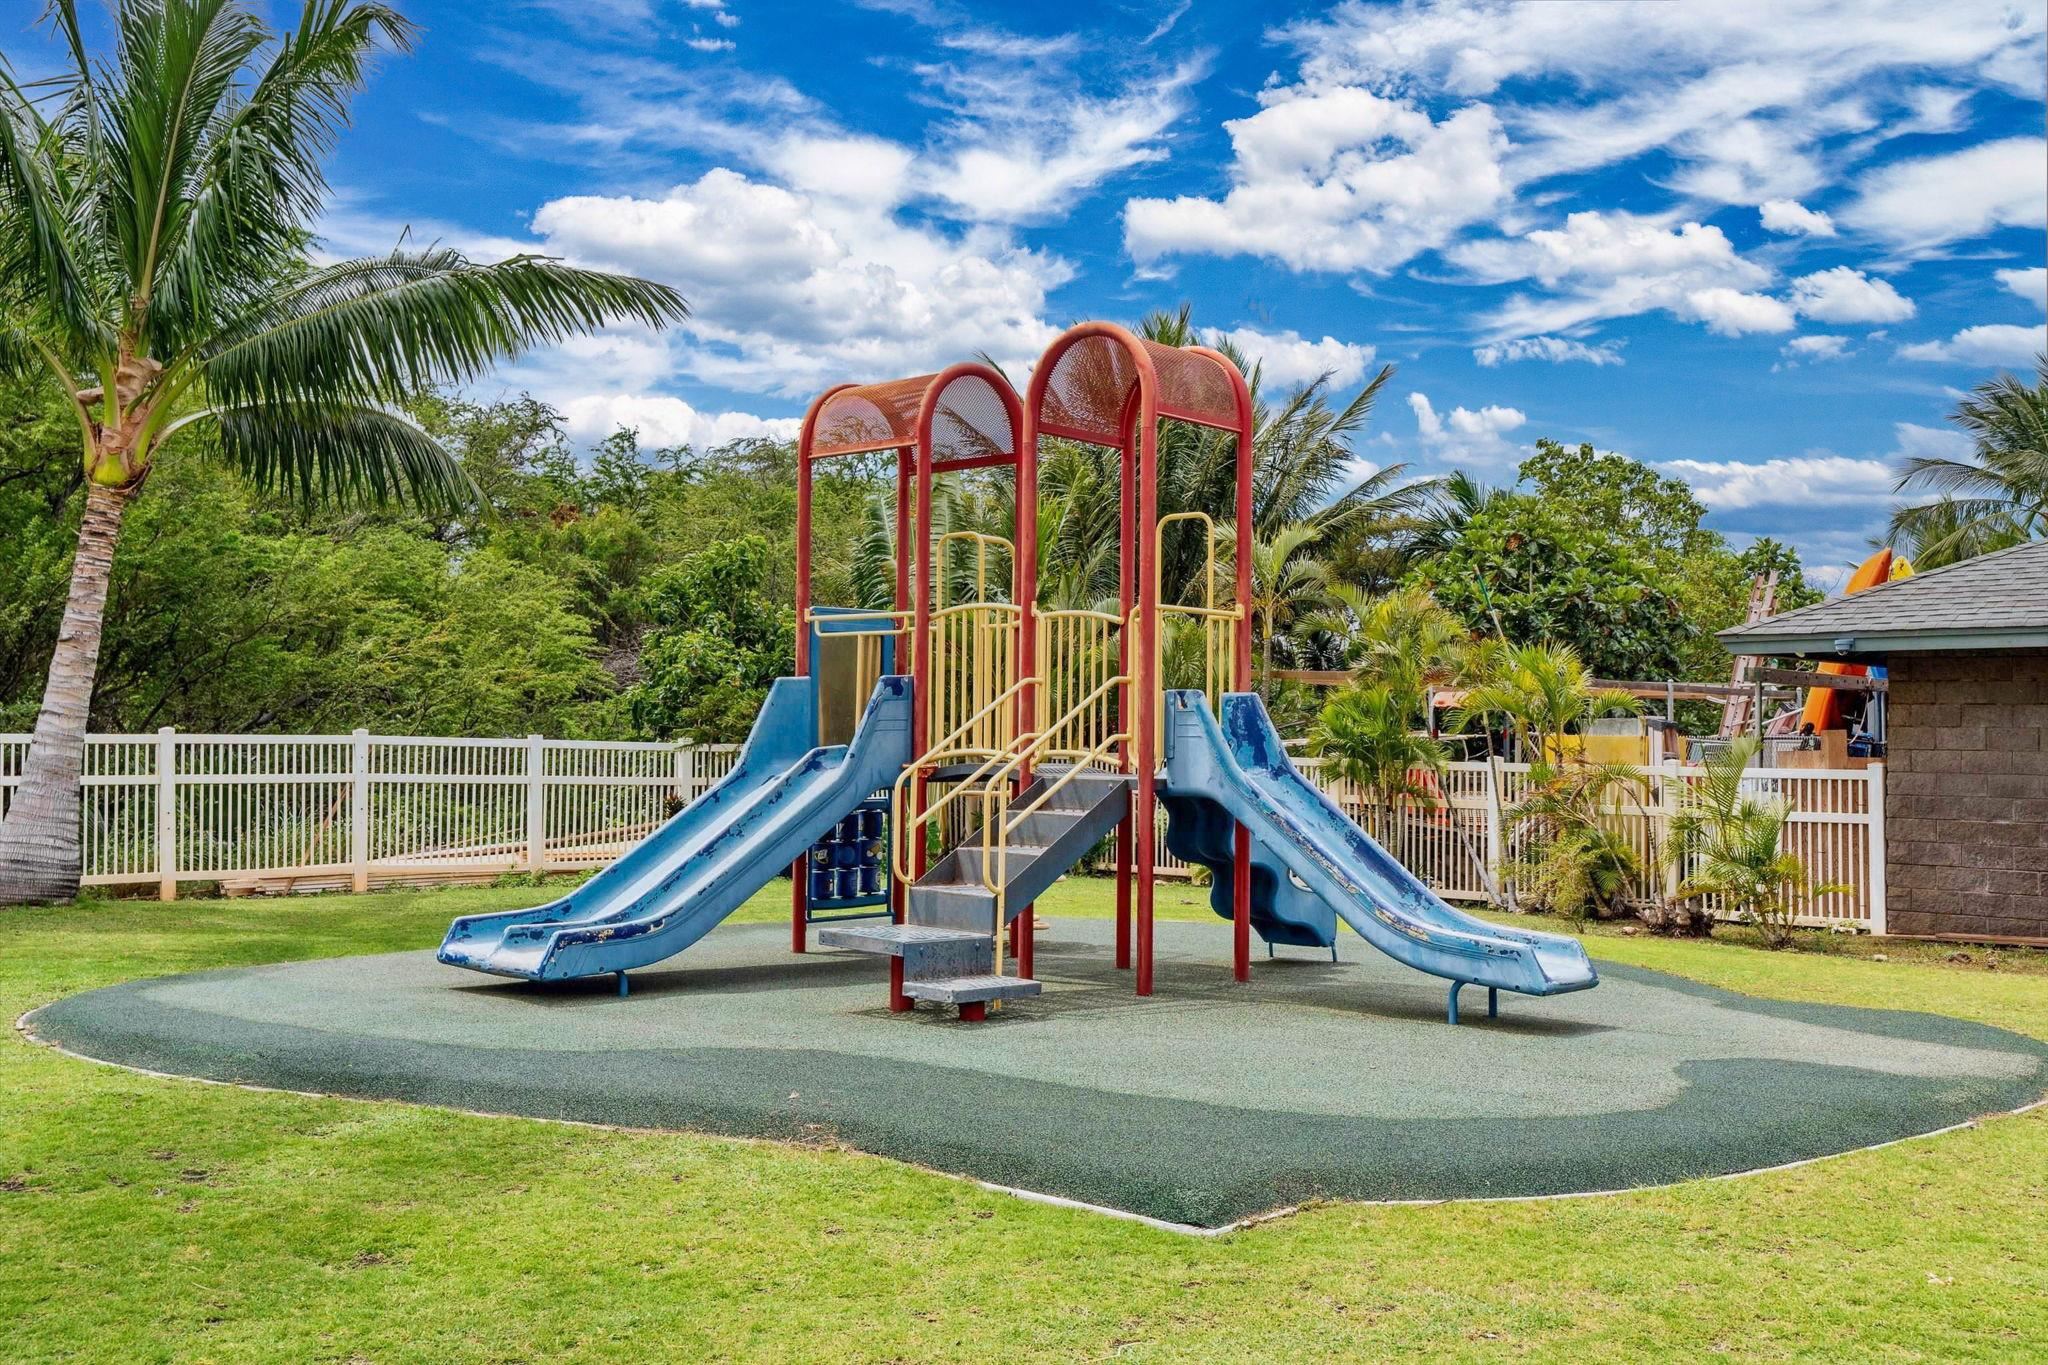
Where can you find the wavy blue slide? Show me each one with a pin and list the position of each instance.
(781, 797)
(1239, 771)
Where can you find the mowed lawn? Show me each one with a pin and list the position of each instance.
(145, 1219)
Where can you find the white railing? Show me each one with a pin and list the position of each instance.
(303, 812)
(285, 812)
(1837, 829)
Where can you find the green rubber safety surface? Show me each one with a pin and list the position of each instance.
(1205, 1103)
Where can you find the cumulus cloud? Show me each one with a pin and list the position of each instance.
(1464, 433)
(1732, 313)
(1288, 361)
(792, 290)
(2030, 284)
(1731, 485)
(1607, 265)
(1337, 179)
(1793, 218)
(1933, 200)
(1995, 343)
(1556, 350)
(1819, 346)
(1845, 295)
(662, 420)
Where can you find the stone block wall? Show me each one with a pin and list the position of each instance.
(1966, 794)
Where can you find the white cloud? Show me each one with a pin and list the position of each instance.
(1287, 360)
(1793, 218)
(1464, 433)
(1748, 98)
(1927, 202)
(791, 291)
(1995, 343)
(1818, 346)
(662, 420)
(1334, 179)
(1845, 295)
(1030, 139)
(1608, 265)
(2030, 284)
(1732, 313)
(1732, 485)
(710, 44)
(1556, 350)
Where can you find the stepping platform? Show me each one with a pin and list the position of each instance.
(972, 990)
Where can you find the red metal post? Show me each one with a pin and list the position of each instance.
(799, 872)
(1127, 712)
(1147, 677)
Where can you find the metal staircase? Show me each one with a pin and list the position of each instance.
(950, 942)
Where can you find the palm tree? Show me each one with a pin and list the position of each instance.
(1288, 585)
(1542, 691)
(1366, 736)
(1452, 503)
(155, 211)
(1729, 843)
(1404, 639)
(1998, 494)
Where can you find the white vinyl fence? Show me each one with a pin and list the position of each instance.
(314, 812)
(1837, 829)
(318, 812)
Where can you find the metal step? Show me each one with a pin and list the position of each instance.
(972, 990)
(928, 952)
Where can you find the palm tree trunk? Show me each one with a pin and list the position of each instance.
(39, 853)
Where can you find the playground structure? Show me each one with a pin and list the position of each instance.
(1020, 736)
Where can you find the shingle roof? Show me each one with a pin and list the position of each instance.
(1996, 601)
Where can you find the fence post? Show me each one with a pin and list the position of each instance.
(359, 808)
(167, 813)
(1496, 852)
(1874, 838)
(536, 805)
(682, 770)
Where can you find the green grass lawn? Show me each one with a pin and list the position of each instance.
(145, 1219)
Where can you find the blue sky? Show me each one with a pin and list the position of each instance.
(1760, 243)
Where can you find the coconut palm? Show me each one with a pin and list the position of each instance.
(1403, 639)
(1993, 497)
(155, 212)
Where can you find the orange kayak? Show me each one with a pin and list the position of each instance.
(1823, 710)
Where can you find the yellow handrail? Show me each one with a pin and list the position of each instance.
(997, 824)
(901, 618)
(982, 542)
(944, 749)
(1219, 633)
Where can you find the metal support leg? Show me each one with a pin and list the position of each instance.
(974, 1011)
(1269, 948)
(1493, 1002)
(622, 985)
(1453, 1009)
(1333, 952)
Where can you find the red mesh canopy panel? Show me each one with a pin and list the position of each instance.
(971, 422)
(871, 417)
(1091, 383)
(969, 419)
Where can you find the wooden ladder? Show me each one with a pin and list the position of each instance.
(1735, 712)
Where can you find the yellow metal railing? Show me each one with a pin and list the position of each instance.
(999, 822)
(867, 657)
(907, 828)
(1077, 649)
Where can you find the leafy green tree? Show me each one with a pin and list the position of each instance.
(155, 211)
(721, 640)
(1995, 496)
(1536, 569)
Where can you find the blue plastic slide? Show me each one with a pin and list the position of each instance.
(1239, 771)
(782, 795)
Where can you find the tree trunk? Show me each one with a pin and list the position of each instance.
(39, 853)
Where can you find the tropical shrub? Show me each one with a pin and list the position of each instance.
(1728, 841)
